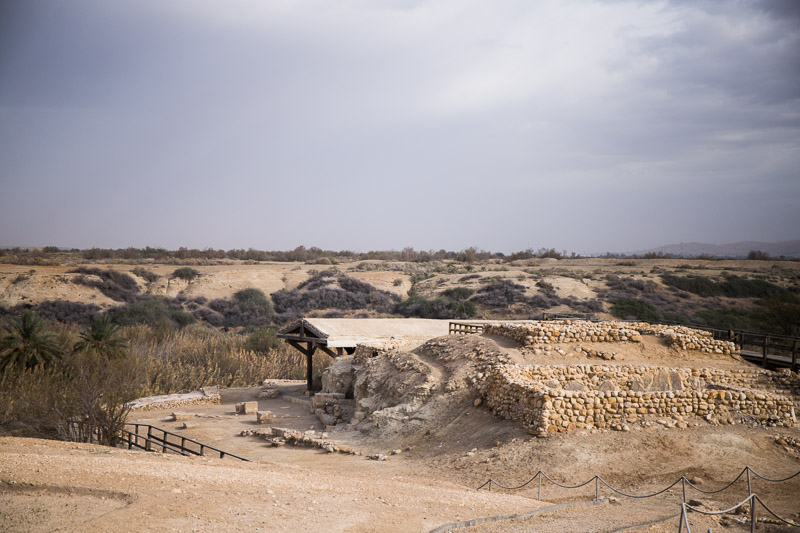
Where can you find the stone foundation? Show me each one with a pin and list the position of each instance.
(567, 331)
(589, 396)
(206, 395)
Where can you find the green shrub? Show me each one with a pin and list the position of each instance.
(155, 311)
(727, 318)
(441, 307)
(780, 314)
(263, 340)
(732, 286)
(145, 274)
(185, 273)
(118, 286)
(457, 293)
(253, 300)
(634, 309)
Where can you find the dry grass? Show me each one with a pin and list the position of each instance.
(175, 361)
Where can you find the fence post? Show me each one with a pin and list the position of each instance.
(766, 349)
(749, 490)
(794, 354)
(752, 513)
(683, 488)
(490, 484)
(540, 485)
(596, 489)
(683, 517)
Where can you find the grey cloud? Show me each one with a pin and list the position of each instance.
(600, 126)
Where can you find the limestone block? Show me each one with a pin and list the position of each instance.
(321, 397)
(339, 377)
(246, 408)
(264, 417)
(180, 416)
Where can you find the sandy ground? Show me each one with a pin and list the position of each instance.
(48, 486)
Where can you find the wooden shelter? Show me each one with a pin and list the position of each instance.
(340, 336)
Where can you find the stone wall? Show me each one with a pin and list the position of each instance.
(567, 331)
(522, 394)
(206, 395)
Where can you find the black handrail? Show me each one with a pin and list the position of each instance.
(132, 439)
(163, 440)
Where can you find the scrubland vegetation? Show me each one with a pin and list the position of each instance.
(76, 361)
(67, 382)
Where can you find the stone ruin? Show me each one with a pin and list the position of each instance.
(555, 398)
(561, 397)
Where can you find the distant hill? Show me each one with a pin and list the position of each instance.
(734, 249)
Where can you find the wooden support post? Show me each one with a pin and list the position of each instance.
(794, 354)
(309, 372)
(766, 350)
(310, 366)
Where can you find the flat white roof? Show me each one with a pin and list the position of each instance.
(348, 332)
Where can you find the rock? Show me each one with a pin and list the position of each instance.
(339, 377)
(268, 393)
(695, 503)
(321, 398)
(246, 408)
(477, 402)
(179, 416)
(189, 425)
(377, 457)
(697, 481)
(325, 418)
(264, 417)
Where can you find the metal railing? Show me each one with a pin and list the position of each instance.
(134, 440)
(160, 438)
(747, 472)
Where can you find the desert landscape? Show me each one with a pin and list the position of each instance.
(399, 435)
(399, 266)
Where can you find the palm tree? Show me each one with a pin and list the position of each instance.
(103, 338)
(28, 343)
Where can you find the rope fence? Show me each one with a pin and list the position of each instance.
(748, 473)
(751, 500)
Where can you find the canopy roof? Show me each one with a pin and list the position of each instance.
(348, 332)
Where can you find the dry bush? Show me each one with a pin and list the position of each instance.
(175, 361)
(84, 399)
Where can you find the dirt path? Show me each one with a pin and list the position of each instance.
(47, 486)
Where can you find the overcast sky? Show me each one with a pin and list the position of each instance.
(589, 126)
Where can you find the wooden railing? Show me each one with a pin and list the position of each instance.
(464, 328)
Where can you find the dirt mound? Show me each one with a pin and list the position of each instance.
(427, 394)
